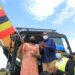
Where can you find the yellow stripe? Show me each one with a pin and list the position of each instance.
(0, 7)
(5, 25)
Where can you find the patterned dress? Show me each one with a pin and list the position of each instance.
(29, 61)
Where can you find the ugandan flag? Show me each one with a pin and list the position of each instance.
(6, 27)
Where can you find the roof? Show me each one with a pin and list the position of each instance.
(34, 29)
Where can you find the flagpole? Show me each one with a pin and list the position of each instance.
(21, 39)
(15, 49)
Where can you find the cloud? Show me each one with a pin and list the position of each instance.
(61, 18)
(66, 14)
(41, 9)
(4, 1)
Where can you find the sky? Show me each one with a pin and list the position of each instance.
(45, 14)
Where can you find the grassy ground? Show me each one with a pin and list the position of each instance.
(3, 73)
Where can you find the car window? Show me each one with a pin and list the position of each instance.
(61, 41)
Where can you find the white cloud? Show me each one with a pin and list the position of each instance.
(62, 17)
(67, 13)
(4, 1)
(41, 9)
(71, 3)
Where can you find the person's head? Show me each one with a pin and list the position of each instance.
(45, 35)
(32, 39)
(60, 51)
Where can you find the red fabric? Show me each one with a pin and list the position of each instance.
(2, 13)
(7, 32)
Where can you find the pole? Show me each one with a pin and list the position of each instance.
(14, 55)
(18, 39)
(21, 39)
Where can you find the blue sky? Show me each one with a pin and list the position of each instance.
(49, 14)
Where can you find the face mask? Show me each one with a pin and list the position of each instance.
(45, 37)
(58, 55)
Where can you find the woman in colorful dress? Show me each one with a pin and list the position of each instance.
(30, 53)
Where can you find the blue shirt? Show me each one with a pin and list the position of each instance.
(48, 53)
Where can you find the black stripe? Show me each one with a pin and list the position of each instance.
(3, 19)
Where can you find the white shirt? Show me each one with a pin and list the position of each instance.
(3, 59)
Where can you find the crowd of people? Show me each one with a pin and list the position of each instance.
(52, 57)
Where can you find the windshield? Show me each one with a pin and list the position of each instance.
(62, 41)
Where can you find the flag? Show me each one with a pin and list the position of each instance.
(6, 27)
